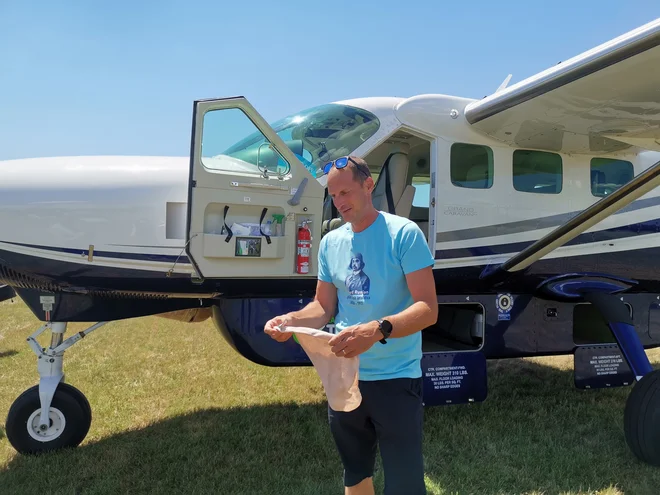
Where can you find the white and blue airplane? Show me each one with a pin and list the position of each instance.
(539, 201)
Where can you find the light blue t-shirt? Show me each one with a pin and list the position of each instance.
(369, 269)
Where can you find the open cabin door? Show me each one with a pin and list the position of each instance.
(248, 193)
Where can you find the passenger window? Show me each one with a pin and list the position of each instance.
(607, 175)
(537, 172)
(471, 166)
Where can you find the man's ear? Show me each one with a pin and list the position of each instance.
(371, 185)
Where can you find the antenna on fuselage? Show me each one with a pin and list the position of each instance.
(504, 84)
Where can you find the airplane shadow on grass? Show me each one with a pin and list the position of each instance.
(534, 432)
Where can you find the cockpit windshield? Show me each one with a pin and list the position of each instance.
(316, 135)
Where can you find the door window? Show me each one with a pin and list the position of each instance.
(222, 129)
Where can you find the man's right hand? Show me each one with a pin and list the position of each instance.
(279, 335)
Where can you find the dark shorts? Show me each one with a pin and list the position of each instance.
(390, 417)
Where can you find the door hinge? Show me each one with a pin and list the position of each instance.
(194, 183)
(432, 201)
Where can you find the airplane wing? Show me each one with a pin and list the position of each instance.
(6, 292)
(604, 100)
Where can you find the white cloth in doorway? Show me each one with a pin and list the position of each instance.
(339, 375)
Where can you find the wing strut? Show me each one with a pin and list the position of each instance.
(626, 194)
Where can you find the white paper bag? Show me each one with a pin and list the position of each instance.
(339, 375)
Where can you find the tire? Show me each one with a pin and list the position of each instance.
(71, 417)
(641, 419)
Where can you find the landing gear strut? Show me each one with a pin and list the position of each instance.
(53, 414)
(641, 422)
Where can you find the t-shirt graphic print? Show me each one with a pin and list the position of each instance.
(357, 283)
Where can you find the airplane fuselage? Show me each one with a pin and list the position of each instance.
(102, 230)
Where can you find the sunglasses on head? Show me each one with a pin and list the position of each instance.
(340, 163)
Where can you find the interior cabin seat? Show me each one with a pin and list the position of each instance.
(394, 174)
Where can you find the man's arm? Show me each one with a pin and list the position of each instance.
(423, 313)
(317, 313)
(419, 315)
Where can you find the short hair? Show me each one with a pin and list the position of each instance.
(360, 168)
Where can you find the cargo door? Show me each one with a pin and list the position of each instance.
(248, 194)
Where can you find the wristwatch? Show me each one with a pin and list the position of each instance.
(385, 328)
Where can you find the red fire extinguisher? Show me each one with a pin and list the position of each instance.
(304, 248)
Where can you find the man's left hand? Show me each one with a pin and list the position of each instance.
(355, 340)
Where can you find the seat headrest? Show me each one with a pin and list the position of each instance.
(477, 175)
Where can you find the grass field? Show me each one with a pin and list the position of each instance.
(176, 410)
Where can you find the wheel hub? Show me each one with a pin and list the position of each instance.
(49, 432)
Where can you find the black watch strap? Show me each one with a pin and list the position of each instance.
(385, 328)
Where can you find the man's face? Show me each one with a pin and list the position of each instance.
(355, 264)
(349, 196)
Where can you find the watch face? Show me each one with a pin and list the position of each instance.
(385, 326)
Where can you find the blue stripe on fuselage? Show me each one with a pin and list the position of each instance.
(615, 233)
(109, 254)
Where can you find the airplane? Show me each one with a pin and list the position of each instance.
(6, 292)
(539, 202)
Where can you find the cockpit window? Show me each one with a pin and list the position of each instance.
(316, 135)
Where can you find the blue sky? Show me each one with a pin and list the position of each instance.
(120, 77)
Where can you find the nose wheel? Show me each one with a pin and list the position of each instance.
(52, 415)
(69, 419)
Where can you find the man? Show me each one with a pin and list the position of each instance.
(375, 275)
